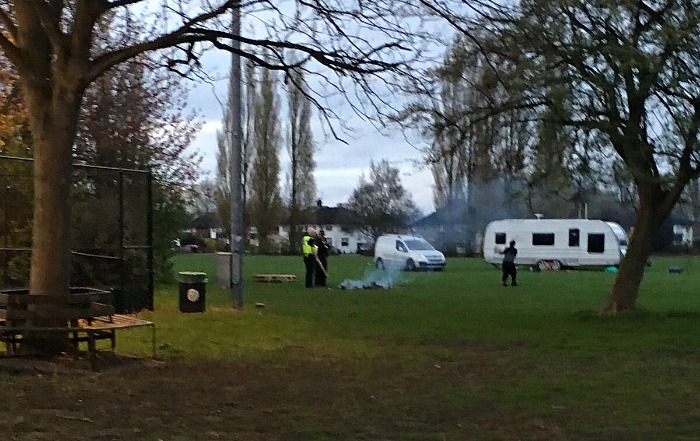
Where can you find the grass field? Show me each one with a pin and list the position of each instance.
(441, 356)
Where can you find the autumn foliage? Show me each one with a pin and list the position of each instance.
(13, 115)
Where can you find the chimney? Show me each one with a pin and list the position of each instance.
(319, 204)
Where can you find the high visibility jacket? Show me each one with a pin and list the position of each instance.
(306, 247)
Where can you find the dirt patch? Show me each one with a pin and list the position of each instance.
(74, 364)
(298, 393)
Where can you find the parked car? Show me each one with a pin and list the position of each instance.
(409, 253)
(190, 248)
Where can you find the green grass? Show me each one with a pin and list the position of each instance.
(548, 329)
(465, 302)
(442, 355)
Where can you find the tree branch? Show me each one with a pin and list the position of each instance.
(7, 22)
(11, 51)
(49, 15)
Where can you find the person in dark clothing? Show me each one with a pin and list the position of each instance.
(508, 266)
(310, 250)
(322, 263)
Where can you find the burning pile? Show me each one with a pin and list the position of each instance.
(374, 279)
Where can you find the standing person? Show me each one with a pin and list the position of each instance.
(310, 249)
(322, 263)
(509, 268)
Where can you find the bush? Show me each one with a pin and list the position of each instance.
(209, 246)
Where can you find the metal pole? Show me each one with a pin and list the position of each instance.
(151, 276)
(236, 164)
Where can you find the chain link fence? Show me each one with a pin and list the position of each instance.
(112, 229)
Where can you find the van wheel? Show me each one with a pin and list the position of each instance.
(556, 265)
(410, 265)
(379, 264)
(542, 265)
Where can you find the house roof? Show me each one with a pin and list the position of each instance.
(322, 215)
(455, 214)
(336, 216)
(207, 220)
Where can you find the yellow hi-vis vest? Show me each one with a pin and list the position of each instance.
(306, 248)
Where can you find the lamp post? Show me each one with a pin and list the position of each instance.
(236, 165)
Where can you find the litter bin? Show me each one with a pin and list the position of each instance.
(193, 286)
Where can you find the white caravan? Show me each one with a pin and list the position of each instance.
(556, 243)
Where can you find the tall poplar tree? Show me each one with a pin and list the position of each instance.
(300, 145)
(265, 200)
(225, 149)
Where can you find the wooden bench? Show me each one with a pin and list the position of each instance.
(86, 315)
(275, 278)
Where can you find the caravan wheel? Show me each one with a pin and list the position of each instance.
(549, 265)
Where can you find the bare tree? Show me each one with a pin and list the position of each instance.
(223, 176)
(300, 144)
(265, 200)
(382, 203)
(51, 46)
(225, 149)
(633, 71)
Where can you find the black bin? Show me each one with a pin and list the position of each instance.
(193, 287)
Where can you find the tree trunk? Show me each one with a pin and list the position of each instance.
(625, 290)
(294, 215)
(50, 267)
(53, 120)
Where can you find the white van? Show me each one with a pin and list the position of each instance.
(556, 243)
(407, 252)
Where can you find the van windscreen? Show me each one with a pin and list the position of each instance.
(418, 245)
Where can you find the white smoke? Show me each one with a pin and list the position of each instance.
(374, 278)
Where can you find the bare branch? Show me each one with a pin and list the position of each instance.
(7, 22)
(11, 52)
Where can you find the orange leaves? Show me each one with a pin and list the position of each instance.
(13, 115)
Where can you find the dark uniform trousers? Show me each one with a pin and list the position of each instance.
(310, 264)
(509, 269)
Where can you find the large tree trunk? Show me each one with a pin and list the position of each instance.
(625, 290)
(52, 92)
(50, 84)
(53, 122)
(52, 108)
(50, 266)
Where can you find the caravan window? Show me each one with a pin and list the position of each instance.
(596, 243)
(500, 238)
(574, 237)
(543, 238)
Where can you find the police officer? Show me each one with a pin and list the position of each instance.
(310, 249)
(322, 263)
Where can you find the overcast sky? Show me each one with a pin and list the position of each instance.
(339, 166)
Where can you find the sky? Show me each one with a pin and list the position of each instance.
(338, 165)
